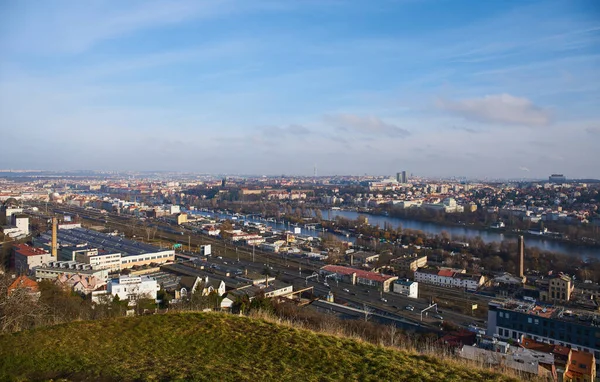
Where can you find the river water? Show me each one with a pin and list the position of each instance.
(455, 232)
(487, 236)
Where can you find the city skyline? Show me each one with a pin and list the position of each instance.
(498, 90)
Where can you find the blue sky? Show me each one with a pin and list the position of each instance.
(438, 88)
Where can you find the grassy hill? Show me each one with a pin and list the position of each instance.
(211, 347)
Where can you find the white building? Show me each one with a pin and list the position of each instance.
(206, 250)
(19, 226)
(99, 259)
(448, 205)
(166, 256)
(406, 288)
(449, 278)
(54, 269)
(27, 258)
(7, 213)
(133, 287)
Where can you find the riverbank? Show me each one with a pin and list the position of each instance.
(456, 233)
(473, 226)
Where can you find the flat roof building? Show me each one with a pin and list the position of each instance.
(132, 252)
(27, 258)
(515, 320)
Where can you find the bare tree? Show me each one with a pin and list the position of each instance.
(19, 309)
(367, 311)
(392, 332)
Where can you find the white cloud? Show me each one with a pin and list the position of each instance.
(369, 125)
(500, 108)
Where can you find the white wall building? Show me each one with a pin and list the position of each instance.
(449, 278)
(21, 222)
(18, 226)
(161, 257)
(99, 259)
(7, 213)
(27, 258)
(54, 269)
(406, 288)
(133, 287)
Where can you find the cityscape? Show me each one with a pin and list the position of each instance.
(454, 258)
(319, 191)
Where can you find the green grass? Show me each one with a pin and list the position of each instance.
(210, 347)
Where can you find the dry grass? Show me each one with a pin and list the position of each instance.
(213, 346)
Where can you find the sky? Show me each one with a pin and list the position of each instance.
(497, 89)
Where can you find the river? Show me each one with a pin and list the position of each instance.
(488, 236)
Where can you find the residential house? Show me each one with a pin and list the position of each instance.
(83, 284)
(406, 288)
(190, 285)
(25, 284)
(133, 288)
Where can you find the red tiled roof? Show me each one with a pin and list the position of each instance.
(455, 339)
(561, 350)
(27, 250)
(446, 273)
(23, 282)
(531, 344)
(359, 273)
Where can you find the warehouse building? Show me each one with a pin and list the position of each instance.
(133, 253)
(358, 276)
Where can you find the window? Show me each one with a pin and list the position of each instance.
(529, 320)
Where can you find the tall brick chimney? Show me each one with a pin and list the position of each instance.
(521, 256)
(54, 238)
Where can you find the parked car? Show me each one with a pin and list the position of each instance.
(383, 300)
(409, 307)
(439, 317)
(346, 290)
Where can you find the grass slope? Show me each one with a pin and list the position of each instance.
(212, 347)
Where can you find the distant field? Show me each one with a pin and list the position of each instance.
(209, 347)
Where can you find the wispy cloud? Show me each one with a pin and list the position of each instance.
(467, 129)
(501, 108)
(73, 27)
(280, 132)
(369, 125)
(593, 130)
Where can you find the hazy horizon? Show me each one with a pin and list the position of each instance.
(438, 88)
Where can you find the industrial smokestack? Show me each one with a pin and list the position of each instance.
(521, 256)
(54, 238)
